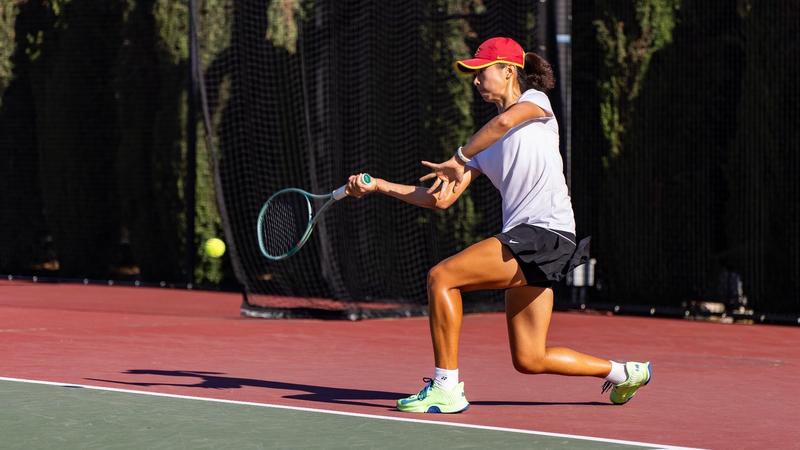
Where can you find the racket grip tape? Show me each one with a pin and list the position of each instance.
(341, 193)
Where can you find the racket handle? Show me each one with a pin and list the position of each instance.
(340, 193)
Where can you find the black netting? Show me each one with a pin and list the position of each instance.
(369, 87)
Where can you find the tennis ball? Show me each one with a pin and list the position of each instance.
(215, 247)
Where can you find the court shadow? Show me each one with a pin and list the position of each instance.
(218, 380)
(324, 394)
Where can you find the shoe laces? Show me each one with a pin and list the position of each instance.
(608, 385)
(428, 386)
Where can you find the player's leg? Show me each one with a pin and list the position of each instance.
(528, 313)
(485, 265)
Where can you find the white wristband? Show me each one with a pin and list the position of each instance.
(461, 156)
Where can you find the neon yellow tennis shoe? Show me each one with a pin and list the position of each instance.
(639, 375)
(435, 399)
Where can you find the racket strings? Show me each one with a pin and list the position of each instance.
(286, 220)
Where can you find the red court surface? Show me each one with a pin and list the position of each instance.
(714, 385)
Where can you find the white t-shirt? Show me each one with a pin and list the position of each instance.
(525, 166)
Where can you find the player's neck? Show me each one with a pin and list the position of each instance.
(509, 98)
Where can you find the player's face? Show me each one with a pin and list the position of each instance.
(492, 82)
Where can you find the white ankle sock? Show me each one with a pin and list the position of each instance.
(446, 379)
(617, 374)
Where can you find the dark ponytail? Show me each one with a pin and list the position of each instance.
(537, 74)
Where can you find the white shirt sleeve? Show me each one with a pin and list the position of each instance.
(539, 99)
(473, 162)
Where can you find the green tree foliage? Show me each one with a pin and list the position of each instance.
(214, 39)
(628, 40)
(284, 18)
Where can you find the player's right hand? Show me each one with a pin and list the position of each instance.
(357, 188)
(448, 174)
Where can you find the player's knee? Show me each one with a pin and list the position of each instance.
(530, 363)
(437, 276)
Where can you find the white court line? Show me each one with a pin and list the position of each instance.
(351, 414)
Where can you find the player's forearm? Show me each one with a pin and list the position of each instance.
(414, 195)
(486, 136)
(500, 125)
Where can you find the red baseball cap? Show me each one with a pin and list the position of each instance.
(498, 50)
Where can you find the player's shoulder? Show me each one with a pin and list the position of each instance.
(534, 95)
(539, 99)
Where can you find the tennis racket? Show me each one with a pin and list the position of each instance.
(288, 217)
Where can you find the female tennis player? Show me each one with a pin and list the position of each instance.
(518, 150)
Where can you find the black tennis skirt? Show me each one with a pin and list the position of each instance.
(545, 256)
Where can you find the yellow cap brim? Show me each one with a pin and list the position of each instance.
(470, 66)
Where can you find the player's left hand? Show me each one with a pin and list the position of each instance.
(448, 174)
